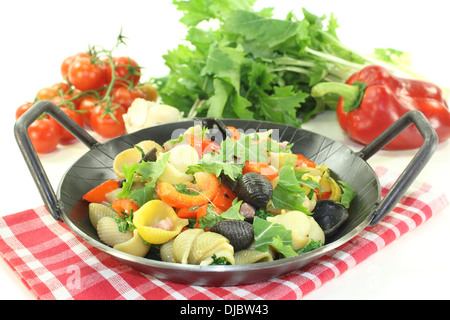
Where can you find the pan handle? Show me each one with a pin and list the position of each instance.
(29, 153)
(414, 167)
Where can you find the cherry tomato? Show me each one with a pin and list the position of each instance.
(63, 102)
(125, 97)
(21, 109)
(126, 71)
(104, 124)
(44, 135)
(68, 61)
(47, 93)
(61, 87)
(65, 136)
(86, 105)
(84, 75)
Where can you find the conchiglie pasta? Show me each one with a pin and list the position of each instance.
(134, 246)
(208, 244)
(249, 256)
(316, 233)
(298, 223)
(98, 211)
(133, 155)
(174, 176)
(109, 233)
(183, 243)
(150, 214)
(183, 156)
(166, 251)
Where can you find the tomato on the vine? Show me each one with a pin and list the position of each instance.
(61, 87)
(22, 108)
(85, 75)
(86, 105)
(125, 97)
(68, 61)
(65, 136)
(126, 71)
(44, 135)
(106, 125)
(47, 93)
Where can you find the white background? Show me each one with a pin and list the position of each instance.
(38, 35)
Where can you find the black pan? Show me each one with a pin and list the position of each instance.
(94, 167)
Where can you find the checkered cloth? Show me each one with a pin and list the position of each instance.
(56, 264)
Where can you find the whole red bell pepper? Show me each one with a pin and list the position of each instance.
(373, 98)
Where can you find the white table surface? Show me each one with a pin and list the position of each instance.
(38, 35)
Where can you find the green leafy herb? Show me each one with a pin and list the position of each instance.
(211, 217)
(261, 213)
(311, 245)
(265, 233)
(348, 193)
(247, 64)
(149, 172)
(216, 168)
(219, 261)
(288, 194)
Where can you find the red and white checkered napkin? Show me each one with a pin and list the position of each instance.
(55, 264)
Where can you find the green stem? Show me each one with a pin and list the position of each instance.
(351, 94)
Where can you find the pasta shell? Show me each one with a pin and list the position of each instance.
(278, 160)
(249, 256)
(174, 176)
(147, 145)
(98, 211)
(182, 156)
(316, 233)
(298, 223)
(183, 243)
(133, 155)
(152, 213)
(108, 232)
(166, 251)
(134, 246)
(208, 244)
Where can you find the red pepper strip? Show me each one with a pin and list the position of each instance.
(224, 198)
(98, 193)
(207, 182)
(261, 168)
(301, 159)
(200, 145)
(201, 212)
(186, 213)
(124, 207)
(373, 98)
(235, 132)
(322, 195)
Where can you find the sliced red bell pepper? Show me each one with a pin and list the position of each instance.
(207, 182)
(98, 193)
(301, 159)
(373, 98)
(261, 168)
(224, 198)
(202, 211)
(200, 145)
(235, 132)
(124, 207)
